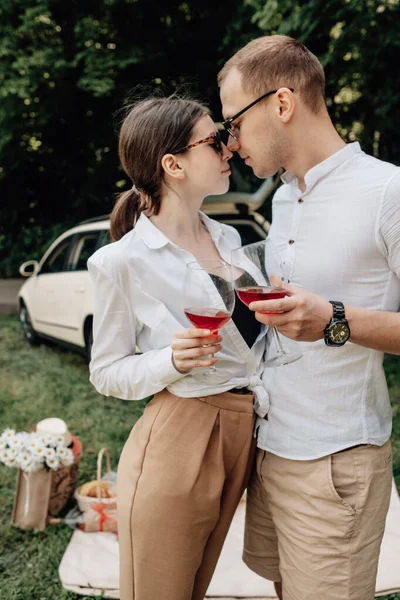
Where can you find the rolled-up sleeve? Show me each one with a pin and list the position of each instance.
(115, 369)
(390, 224)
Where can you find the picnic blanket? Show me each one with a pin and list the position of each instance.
(90, 563)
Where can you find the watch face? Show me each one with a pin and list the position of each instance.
(339, 333)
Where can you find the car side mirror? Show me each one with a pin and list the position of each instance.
(29, 268)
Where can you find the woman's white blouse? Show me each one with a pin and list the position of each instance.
(137, 303)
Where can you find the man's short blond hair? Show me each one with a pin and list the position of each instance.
(275, 61)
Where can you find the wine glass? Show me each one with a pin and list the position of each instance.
(251, 267)
(208, 295)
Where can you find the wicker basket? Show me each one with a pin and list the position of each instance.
(63, 480)
(86, 502)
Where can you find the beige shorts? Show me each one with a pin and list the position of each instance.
(317, 525)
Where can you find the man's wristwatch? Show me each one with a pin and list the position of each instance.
(337, 332)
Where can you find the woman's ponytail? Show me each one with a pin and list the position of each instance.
(125, 213)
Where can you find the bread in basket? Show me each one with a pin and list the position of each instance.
(97, 492)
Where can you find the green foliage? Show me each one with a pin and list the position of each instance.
(30, 244)
(358, 43)
(37, 383)
(65, 69)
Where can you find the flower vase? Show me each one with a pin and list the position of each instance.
(31, 500)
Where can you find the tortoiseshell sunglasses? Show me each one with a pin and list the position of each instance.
(214, 140)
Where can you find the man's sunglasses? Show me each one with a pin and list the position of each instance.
(213, 140)
(228, 123)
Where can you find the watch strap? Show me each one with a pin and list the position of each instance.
(338, 310)
(337, 317)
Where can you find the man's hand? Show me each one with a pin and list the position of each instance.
(302, 316)
(188, 348)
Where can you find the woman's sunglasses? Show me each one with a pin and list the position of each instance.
(213, 140)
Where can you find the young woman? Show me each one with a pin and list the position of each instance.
(186, 463)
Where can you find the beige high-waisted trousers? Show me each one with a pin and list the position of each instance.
(181, 475)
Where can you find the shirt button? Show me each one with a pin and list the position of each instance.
(291, 242)
(300, 200)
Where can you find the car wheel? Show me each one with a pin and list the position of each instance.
(29, 333)
(89, 342)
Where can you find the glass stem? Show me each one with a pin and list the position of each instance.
(278, 342)
(213, 368)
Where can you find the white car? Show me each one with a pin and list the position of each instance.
(56, 302)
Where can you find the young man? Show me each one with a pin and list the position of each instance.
(318, 499)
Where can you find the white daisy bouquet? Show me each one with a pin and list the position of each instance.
(31, 451)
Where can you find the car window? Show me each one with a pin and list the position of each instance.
(85, 245)
(249, 232)
(104, 238)
(56, 262)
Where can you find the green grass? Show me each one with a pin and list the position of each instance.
(36, 383)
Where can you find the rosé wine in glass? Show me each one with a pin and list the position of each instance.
(208, 296)
(254, 293)
(252, 266)
(207, 318)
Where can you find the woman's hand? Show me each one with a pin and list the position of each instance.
(188, 348)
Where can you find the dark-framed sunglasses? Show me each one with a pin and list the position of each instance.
(213, 140)
(227, 124)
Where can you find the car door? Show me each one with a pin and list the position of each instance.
(73, 291)
(82, 289)
(43, 296)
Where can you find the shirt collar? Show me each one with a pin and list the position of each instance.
(154, 238)
(323, 168)
(150, 234)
